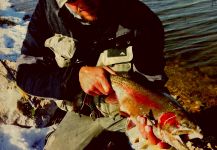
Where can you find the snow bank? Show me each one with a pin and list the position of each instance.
(11, 36)
(16, 138)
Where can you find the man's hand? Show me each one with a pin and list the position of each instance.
(146, 131)
(93, 80)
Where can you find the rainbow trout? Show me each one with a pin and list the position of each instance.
(170, 122)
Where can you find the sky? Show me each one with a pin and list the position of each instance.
(11, 37)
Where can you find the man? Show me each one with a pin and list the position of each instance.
(73, 45)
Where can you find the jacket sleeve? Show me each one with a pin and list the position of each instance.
(148, 61)
(38, 74)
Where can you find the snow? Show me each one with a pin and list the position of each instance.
(13, 137)
(11, 39)
(17, 138)
(4, 4)
(11, 36)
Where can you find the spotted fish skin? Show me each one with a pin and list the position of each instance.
(172, 121)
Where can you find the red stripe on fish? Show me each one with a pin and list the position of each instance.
(142, 99)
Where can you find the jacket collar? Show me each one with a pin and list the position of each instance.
(61, 3)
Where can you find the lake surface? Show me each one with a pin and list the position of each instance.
(191, 29)
(190, 26)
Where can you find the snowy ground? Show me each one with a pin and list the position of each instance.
(11, 37)
(16, 138)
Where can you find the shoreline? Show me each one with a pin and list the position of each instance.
(195, 88)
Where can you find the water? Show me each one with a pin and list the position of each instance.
(191, 29)
(190, 26)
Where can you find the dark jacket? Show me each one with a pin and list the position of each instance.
(38, 73)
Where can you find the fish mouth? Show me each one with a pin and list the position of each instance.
(180, 137)
(192, 134)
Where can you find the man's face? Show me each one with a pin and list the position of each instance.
(87, 9)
